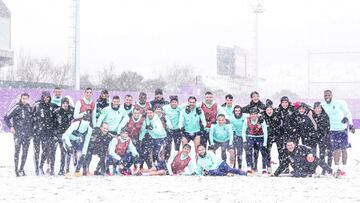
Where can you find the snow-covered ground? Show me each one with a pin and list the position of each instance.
(174, 188)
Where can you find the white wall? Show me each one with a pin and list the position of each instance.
(5, 30)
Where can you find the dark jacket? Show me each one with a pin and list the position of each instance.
(323, 125)
(259, 105)
(305, 129)
(160, 102)
(43, 117)
(297, 159)
(20, 117)
(273, 124)
(288, 125)
(63, 120)
(99, 143)
(100, 105)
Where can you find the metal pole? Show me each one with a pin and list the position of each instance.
(77, 45)
(256, 51)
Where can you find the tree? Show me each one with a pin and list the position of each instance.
(178, 75)
(129, 81)
(108, 78)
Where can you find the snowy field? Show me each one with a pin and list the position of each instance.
(174, 188)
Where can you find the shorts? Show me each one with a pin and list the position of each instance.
(339, 140)
(191, 136)
(223, 145)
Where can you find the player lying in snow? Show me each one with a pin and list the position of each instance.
(302, 159)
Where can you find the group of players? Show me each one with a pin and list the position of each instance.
(137, 138)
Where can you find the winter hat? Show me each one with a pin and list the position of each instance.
(317, 104)
(158, 91)
(174, 97)
(302, 105)
(45, 94)
(124, 129)
(284, 98)
(269, 104)
(104, 91)
(254, 110)
(87, 117)
(65, 99)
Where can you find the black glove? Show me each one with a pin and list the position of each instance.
(352, 129)
(89, 111)
(130, 114)
(198, 111)
(187, 109)
(182, 130)
(261, 119)
(345, 120)
(69, 150)
(149, 127)
(227, 121)
(202, 128)
(205, 172)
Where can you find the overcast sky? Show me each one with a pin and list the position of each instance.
(134, 34)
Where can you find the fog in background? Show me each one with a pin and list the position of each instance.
(150, 36)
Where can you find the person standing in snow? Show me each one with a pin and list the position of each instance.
(211, 110)
(152, 138)
(86, 106)
(257, 103)
(322, 133)
(192, 122)
(172, 116)
(18, 120)
(43, 120)
(340, 121)
(273, 131)
(63, 117)
(254, 133)
(237, 123)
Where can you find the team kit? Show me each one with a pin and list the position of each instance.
(156, 137)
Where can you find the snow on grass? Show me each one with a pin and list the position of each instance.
(174, 188)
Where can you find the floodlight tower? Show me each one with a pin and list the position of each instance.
(74, 46)
(258, 8)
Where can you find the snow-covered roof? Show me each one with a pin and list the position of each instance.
(4, 11)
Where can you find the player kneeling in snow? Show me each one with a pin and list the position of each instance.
(302, 159)
(122, 152)
(209, 164)
(180, 164)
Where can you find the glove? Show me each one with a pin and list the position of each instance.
(187, 109)
(345, 120)
(205, 172)
(198, 111)
(352, 129)
(89, 111)
(227, 121)
(149, 127)
(69, 150)
(182, 130)
(130, 114)
(261, 119)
